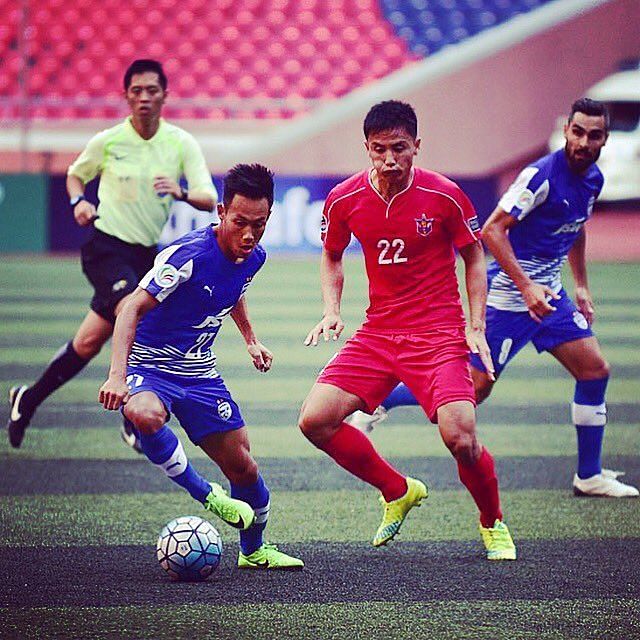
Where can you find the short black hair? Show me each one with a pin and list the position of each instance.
(389, 115)
(590, 108)
(142, 66)
(252, 181)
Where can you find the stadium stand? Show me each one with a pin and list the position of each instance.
(63, 60)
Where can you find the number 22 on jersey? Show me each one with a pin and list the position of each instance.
(391, 251)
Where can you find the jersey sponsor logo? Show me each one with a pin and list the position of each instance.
(214, 321)
(474, 225)
(224, 410)
(570, 227)
(166, 276)
(424, 225)
(580, 320)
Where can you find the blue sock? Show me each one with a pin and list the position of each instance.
(400, 396)
(257, 495)
(589, 413)
(165, 451)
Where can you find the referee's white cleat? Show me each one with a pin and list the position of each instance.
(365, 422)
(603, 485)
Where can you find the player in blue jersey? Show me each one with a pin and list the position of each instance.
(537, 225)
(163, 362)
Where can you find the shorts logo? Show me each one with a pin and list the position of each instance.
(324, 225)
(224, 410)
(166, 276)
(580, 320)
(525, 200)
(118, 286)
(424, 225)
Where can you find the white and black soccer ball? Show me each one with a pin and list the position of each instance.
(189, 548)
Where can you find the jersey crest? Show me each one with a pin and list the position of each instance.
(424, 225)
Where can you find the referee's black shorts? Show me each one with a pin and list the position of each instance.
(114, 268)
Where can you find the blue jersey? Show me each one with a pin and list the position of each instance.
(550, 203)
(197, 287)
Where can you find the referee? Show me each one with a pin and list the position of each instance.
(140, 162)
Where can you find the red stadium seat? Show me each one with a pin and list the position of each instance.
(228, 52)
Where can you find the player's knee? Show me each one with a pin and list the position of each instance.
(146, 417)
(601, 369)
(243, 472)
(314, 425)
(464, 447)
(87, 346)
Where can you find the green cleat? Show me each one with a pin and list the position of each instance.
(396, 511)
(235, 513)
(268, 557)
(498, 542)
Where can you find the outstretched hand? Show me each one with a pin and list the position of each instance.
(477, 343)
(261, 356)
(331, 322)
(113, 394)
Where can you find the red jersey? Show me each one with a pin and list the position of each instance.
(408, 245)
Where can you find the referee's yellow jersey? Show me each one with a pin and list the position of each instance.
(129, 208)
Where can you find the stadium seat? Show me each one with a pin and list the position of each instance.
(229, 53)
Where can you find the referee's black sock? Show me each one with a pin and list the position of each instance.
(64, 366)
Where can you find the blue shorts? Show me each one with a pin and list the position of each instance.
(509, 331)
(202, 406)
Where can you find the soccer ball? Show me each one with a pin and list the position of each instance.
(189, 548)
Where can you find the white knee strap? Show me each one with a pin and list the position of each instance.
(177, 463)
(262, 514)
(588, 415)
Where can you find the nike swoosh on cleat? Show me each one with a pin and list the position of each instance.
(263, 565)
(175, 464)
(15, 413)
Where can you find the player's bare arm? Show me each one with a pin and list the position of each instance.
(84, 212)
(260, 355)
(114, 392)
(164, 185)
(475, 270)
(578, 263)
(495, 234)
(331, 282)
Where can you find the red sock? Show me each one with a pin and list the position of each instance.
(353, 451)
(482, 483)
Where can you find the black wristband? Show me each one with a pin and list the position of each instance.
(74, 201)
(184, 194)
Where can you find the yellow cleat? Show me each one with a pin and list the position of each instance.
(498, 542)
(268, 557)
(396, 511)
(235, 513)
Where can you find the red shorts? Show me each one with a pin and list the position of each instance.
(434, 365)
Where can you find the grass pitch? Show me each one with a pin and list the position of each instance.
(79, 512)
